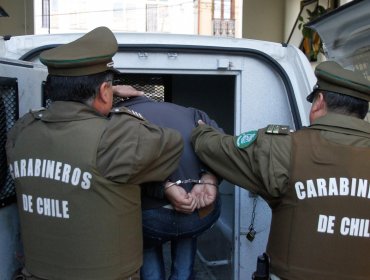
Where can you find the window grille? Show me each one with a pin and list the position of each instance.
(8, 116)
(155, 87)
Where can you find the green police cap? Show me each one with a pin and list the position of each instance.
(90, 54)
(332, 77)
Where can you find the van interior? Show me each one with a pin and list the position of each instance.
(214, 94)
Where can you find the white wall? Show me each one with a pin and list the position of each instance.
(264, 19)
(269, 20)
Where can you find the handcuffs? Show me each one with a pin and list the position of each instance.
(187, 181)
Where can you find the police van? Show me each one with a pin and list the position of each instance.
(242, 84)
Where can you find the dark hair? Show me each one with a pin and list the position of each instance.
(345, 104)
(79, 88)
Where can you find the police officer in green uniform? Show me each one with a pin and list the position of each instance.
(77, 167)
(316, 180)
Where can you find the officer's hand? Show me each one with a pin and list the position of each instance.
(205, 193)
(126, 91)
(181, 200)
(200, 122)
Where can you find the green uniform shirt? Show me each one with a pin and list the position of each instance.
(261, 162)
(77, 176)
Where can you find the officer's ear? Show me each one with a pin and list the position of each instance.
(103, 100)
(105, 91)
(319, 102)
(318, 107)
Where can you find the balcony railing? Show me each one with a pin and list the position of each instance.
(224, 27)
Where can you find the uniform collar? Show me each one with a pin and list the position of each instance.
(69, 111)
(338, 123)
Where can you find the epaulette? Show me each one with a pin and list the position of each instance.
(127, 111)
(37, 113)
(37, 110)
(277, 129)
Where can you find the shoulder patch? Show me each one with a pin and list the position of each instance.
(277, 129)
(127, 111)
(246, 139)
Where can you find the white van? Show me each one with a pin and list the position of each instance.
(242, 84)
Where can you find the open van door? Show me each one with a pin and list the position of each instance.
(28, 78)
(345, 33)
(17, 79)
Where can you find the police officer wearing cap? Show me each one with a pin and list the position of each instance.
(316, 180)
(77, 167)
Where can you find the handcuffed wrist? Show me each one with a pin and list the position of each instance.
(179, 182)
(208, 183)
(172, 184)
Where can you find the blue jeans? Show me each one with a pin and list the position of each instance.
(161, 225)
(10, 241)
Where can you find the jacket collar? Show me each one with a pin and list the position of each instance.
(338, 123)
(69, 111)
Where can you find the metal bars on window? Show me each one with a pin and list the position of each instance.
(8, 115)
